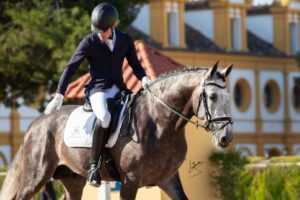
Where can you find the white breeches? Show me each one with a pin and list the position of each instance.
(99, 104)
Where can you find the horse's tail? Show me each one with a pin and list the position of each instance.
(11, 183)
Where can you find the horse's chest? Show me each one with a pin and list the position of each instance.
(150, 164)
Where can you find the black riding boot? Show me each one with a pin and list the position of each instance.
(94, 177)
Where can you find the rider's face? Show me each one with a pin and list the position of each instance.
(105, 35)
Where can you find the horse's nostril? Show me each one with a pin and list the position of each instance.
(223, 139)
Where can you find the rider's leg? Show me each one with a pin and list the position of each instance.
(98, 102)
(94, 177)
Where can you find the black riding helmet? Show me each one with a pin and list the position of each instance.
(104, 16)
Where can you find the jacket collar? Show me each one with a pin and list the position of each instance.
(117, 33)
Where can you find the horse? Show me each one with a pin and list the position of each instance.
(150, 155)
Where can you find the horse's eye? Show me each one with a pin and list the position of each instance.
(213, 96)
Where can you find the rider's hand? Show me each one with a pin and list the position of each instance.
(55, 103)
(145, 82)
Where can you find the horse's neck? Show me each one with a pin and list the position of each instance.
(175, 91)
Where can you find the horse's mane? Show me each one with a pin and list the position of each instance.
(178, 71)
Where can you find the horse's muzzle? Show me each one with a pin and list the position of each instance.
(226, 139)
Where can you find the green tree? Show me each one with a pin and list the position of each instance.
(127, 9)
(37, 40)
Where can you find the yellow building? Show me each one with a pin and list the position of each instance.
(260, 41)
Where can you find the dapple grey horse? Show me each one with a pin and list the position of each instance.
(150, 154)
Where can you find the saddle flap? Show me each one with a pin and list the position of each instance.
(115, 107)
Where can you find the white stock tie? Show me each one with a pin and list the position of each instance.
(110, 44)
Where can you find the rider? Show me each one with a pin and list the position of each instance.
(105, 49)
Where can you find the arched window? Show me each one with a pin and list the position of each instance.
(294, 33)
(173, 23)
(236, 33)
(272, 152)
(245, 151)
(271, 96)
(296, 97)
(242, 94)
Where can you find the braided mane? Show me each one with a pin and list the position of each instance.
(177, 72)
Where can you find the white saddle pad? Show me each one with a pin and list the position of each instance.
(79, 128)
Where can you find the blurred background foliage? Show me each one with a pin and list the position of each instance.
(37, 40)
(255, 178)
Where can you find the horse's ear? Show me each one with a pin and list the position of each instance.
(213, 70)
(225, 72)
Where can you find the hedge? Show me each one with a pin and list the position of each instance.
(234, 178)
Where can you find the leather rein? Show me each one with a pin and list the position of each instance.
(209, 121)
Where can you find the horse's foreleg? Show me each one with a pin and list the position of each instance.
(173, 188)
(128, 190)
(73, 186)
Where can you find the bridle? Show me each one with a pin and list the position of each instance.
(210, 123)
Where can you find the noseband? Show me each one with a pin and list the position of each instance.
(210, 124)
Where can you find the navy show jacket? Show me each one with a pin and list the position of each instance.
(105, 66)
